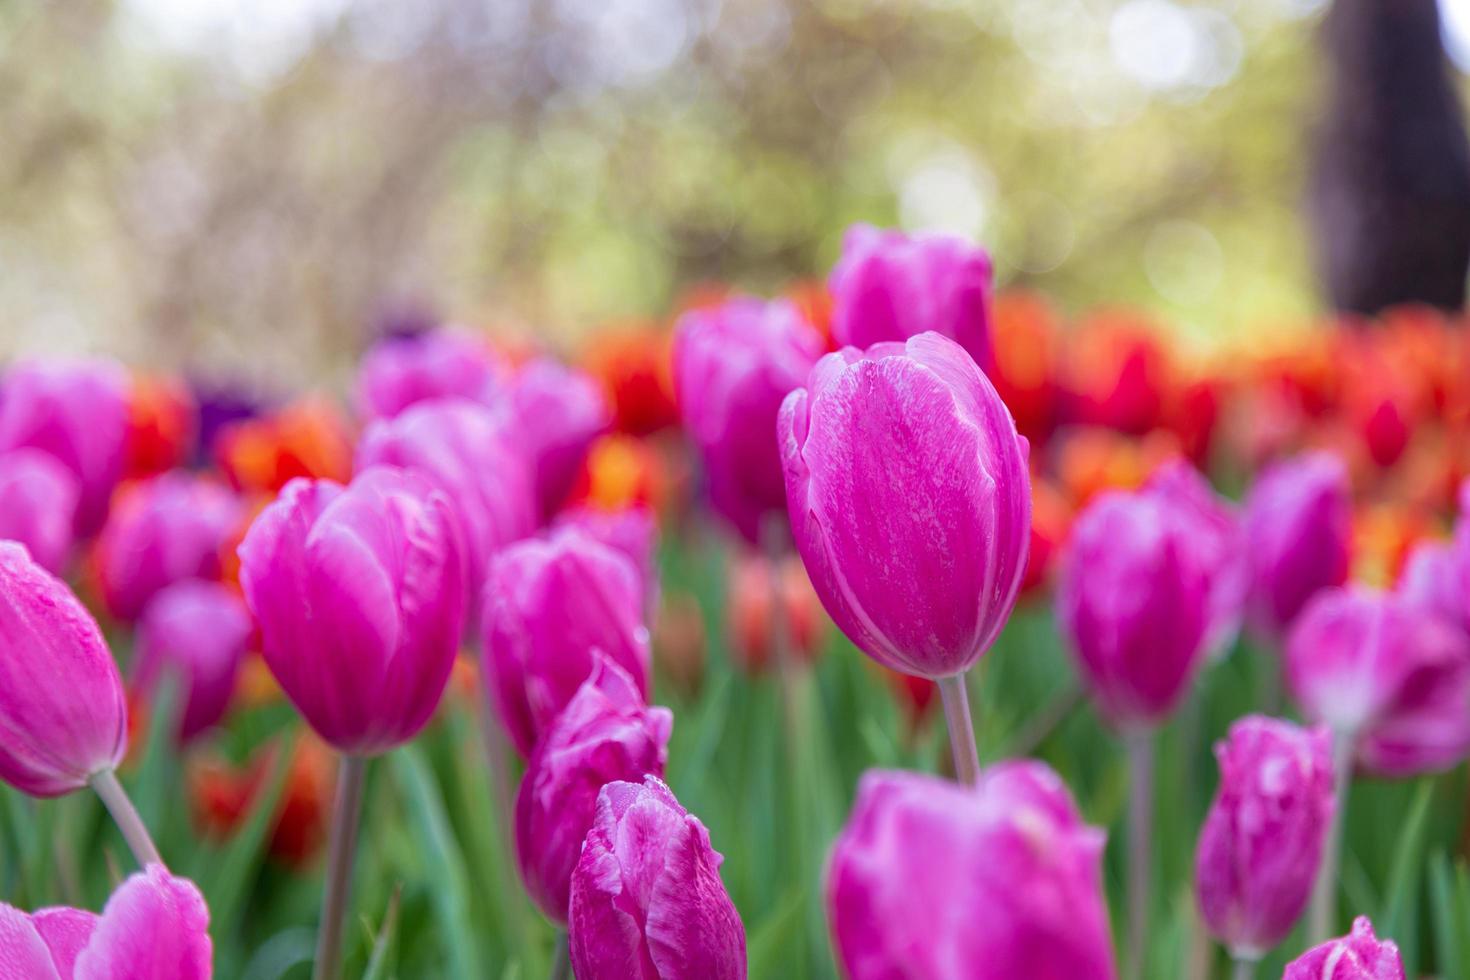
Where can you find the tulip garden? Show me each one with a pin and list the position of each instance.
(890, 626)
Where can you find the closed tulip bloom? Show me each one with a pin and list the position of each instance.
(1003, 879)
(77, 412)
(1357, 956)
(733, 364)
(631, 530)
(551, 607)
(889, 286)
(647, 902)
(1375, 667)
(63, 714)
(161, 531)
(461, 447)
(358, 593)
(555, 413)
(606, 733)
(1430, 580)
(38, 505)
(154, 927)
(1134, 604)
(404, 370)
(196, 633)
(1262, 840)
(1298, 530)
(910, 501)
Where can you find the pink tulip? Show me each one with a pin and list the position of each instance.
(1356, 956)
(1298, 530)
(195, 632)
(1430, 579)
(38, 505)
(1381, 671)
(63, 715)
(76, 412)
(889, 286)
(358, 593)
(937, 880)
(163, 530)
(910, 501)
(551, 606)
(1134, 602)
(630, 530)
(647, 902)
(154, 927)
(606, 733)
(555, 413)
(446, 363)
(1262, 840)
(733, 364)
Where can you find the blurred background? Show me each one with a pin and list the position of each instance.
(249, 187)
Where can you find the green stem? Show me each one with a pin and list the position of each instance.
(956, 700)
(561, 959)
(125, 815)
(1140, 745)
(1244, 968)
(1324, 892)
(341, 849)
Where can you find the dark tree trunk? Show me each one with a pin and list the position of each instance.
(1390, 191)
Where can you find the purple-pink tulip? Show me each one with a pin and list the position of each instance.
(551, 606)
(76, 411)
(1298, 530)
(1134, 604)
(194, 633)
(630, 530)
(1357, 956)
(154, 927)
(647, 902)
(889, 286)
(554, 413)
(163, 530)
(358, 594)
(446, 363)
(1003, 879)
(1261, 844)
(463, 449)
(606, 733)
(910, 501)
(733, 365)
(1383, 672)
(1430, 579)
(38, 505)
(63, 714)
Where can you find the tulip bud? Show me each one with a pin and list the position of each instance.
(63, 713)
(647, 902)
(1002, 879)
(552, 605)
(163, 530)
(1298, 528)
(750, 595)
(78, 413)
(1262, 840)
(403, 371)
(1356, 956)
(606, 733)
(462, 449)
(38, 505)
(556, 413)
(197, 632)
(358, 593)
(1134, 602)
(733, 364)
(1374, 667)
(889, 286)
(910, 501)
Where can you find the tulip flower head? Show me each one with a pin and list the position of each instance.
(358, 593)
(889, 286)
(1003, 879)
(556, 413)
(733, 364)
(910, 501)
(1360, 955)
(1262, 840)
(630, 530)
(606, 733)
(647, 902)
(1430, 580)
(197, 632)
(63, 713)
(404, 370)
(38, 505)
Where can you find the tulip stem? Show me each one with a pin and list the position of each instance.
(125, 815)
(561, 959)
(1140, 746)
(1324, 892)
(1243, 969)
(956, 700)
(341, 848)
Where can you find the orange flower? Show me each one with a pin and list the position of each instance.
(1024, 334)
(161, 424)
(1051, 518)
(749, 597)
(814, 301)
(307, 438)
(1117, 373)
(633, 364)
(1092, 460)
(621, 471)
(1383, 535)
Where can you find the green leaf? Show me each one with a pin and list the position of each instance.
(1401, 899)
(1451, 924)
(378, 964)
